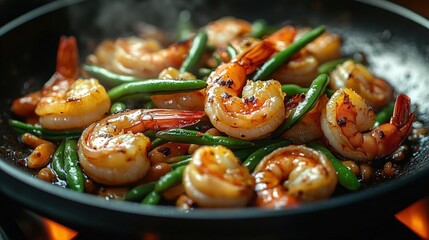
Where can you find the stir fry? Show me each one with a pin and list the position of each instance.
(231, 114)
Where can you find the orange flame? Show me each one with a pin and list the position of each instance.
(416, 217)
(57, 231)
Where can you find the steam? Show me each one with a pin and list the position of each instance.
(111, 18)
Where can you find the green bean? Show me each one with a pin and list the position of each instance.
(155, 86)
(118, 107)
(384, 114)
(169, 180)
(152, 198)
(232, 53)
(107, 77)
(183, 162)
(293, 89)
(195, 52)
(150, 133)
(281, 57)
(149, 105)
(184, 26)
(261, 28)
(75, 179)
(258, 28)
(252, 161)
(44, 133)
(139, 192)
(196, 137)
(331, 65)
(203, 125)
(178, 158)
(243, 153)
(156, 142)
(345, 177)
(166, 182)
(217, 58)
(58, 162)
(204, 72)
(317, 88)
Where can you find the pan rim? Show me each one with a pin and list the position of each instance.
(218, 214)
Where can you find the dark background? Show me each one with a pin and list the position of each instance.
(10, 9)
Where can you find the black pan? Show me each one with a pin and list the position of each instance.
(395, 41)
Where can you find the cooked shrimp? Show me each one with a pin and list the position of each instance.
(309, 127)
(193, 101)
(113, 150)
(325, 48)
(216, 178)
(291, 175)
(376, 92)
(134, 56)
(224, 30)
(347, 121)
(83, 103)
(67, 70)
(279, 40)
(249, 110)
(302, 68)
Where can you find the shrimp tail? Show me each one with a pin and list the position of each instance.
(401, 112)
(68, 58)
(162, 119)
(402, 118)
(399, 128)
(254, 57)
(67, 70)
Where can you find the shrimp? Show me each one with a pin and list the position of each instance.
(216, 178)
(309, 127)
(279, 40)
(139, 57)
(259, 110)
(77, 106)
(113, 151)
(376, 92)
(302, 68)
(325, 48)
(224, 30)
(67, 70)
(347, 121)
(291, 175)
(193, 101)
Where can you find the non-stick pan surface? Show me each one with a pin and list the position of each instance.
(395, 41)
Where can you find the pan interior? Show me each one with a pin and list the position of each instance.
(400, 58)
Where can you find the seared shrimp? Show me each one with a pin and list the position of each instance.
(77, 106)
(67, 70)
(224, 30)
(249, 110)
(347, 121)
(193, 101)
(134, 56)
(291, 175)
(279, 40)
(309, 127)
(216, 178)
(113, 151)
(376, 92)
(302, 68)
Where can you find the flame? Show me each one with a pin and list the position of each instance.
(416, 217)
(57, 231)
